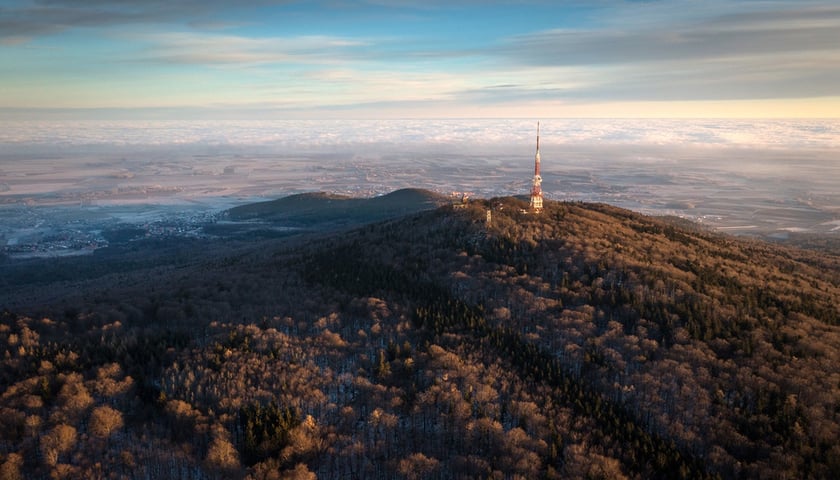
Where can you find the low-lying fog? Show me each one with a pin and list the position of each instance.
(748, 177)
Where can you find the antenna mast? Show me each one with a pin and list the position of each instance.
(536, 186)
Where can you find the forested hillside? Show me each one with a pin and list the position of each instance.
(308, 209)
(584, 342)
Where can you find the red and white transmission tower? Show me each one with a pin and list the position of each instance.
(536, 189)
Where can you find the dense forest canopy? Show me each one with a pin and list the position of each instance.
(584, 342)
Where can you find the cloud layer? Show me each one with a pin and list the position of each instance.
(496, 135)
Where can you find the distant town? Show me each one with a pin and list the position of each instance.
(44, 232)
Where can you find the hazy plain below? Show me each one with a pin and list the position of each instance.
(762, 177)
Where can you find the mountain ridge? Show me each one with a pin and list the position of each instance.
(322, 207)
(588, 339)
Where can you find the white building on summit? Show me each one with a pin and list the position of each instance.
(536, 188)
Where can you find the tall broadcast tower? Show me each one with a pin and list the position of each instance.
(536, 189)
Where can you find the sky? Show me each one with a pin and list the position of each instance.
(378, 59)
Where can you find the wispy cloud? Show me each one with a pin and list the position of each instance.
(787, 51)
(727, 36)
(26, 19)
(219, 49)
(421, 56)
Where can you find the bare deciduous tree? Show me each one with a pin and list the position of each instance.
(104, 421)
